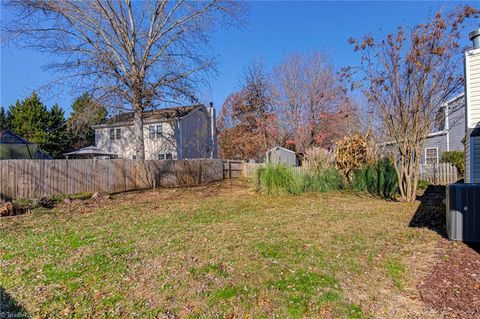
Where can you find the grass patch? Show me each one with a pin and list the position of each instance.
(211, 252)
(396, 272)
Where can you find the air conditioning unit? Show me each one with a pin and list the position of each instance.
(463, 212)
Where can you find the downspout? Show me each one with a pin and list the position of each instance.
(447, 127)
(180, 139)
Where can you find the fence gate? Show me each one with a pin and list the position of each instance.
(232, 169)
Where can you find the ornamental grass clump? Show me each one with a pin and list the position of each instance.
(379, 178)
(324, 181)
(279, 180)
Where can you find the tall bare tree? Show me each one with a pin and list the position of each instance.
(308, 90)
(140, 53)
(406, 77)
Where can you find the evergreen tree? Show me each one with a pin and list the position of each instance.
(3, 119)
(85, 113)
(31, 119)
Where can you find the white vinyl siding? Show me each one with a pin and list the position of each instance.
(472, 85)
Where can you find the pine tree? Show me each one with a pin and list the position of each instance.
(3, 119)
(32, 120)
(85, 113)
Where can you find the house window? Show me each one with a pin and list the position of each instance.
(112, 133)
(155, 131)
(159, 130)
(134, 157)
(167, 156)
(118, 133)
(151, 132)
(431, 155)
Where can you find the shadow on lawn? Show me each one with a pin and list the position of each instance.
(9, 308)
(431, 213)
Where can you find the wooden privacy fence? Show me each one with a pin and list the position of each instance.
(39, 178)
(233, 169)
(439, 174)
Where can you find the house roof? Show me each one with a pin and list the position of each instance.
(149, 116)
(8, 137)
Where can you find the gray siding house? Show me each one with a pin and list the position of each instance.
(447, 133)
(170, 133)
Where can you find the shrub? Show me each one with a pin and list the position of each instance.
(353, 152)
(324, 181)
(422, 184)
(456, 158)
(279, 180)
(318, 159)
(379, 178)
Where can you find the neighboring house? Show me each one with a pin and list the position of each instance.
(280, 155)
(447, 133)
(13, 146)
(170, 133)
(472, 123)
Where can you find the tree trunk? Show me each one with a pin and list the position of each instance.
(138, 128)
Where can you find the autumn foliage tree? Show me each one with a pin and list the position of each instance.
(406, 76)
(302, 103)
(310, 99)
(246, 121)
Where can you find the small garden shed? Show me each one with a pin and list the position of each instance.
(280, 155)
(13, 146)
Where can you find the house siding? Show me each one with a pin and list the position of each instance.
(475, 158)
(195, 135)
(467, 158)
(456, 132)
(456, 121)
(125, 146)
(472, 85)
(439, 142)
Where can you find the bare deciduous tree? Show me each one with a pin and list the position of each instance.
(406, 78)
(140, 53)
(307, 89)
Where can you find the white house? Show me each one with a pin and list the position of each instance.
(472, 123)
(170, 133)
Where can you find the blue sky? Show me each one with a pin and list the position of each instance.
(274, 29)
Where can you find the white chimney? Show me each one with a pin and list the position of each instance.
(213, 131)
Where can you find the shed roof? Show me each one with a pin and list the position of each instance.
(8, 137)
(280, 148)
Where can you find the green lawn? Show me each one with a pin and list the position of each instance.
(217, 251)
